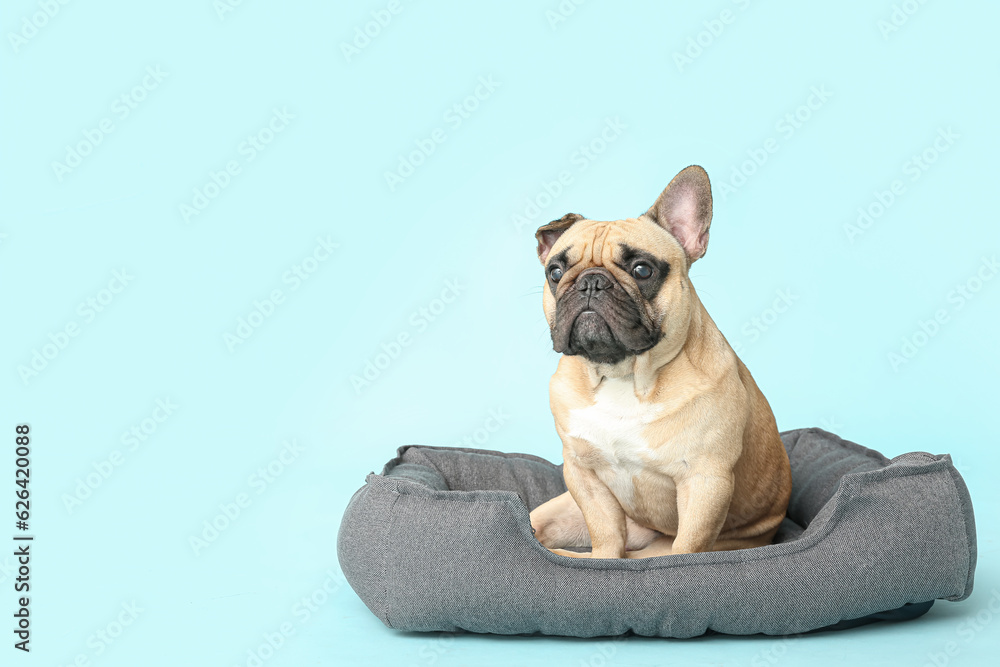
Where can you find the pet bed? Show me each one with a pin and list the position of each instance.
(441, 541)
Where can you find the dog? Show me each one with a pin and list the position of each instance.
(669, 446)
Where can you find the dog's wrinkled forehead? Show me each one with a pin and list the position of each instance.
(679, 218)
(616, 242)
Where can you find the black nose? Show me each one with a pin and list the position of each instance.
(593, 280)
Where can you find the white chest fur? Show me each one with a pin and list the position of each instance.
(614, 425)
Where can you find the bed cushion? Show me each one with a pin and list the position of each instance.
(441, 541)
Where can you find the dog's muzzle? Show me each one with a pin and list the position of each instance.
(597, 319)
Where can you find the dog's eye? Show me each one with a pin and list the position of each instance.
(642, 271)
(555, 273)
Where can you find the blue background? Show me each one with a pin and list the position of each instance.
(782, 241)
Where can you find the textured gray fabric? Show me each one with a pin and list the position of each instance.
(441, 541)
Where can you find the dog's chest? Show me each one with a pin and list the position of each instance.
(615, 425)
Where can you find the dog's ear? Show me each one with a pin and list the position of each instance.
(547, 235)
(684, 209)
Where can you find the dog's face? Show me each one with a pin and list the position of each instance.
(616, 289)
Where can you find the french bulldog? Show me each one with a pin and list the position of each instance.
(669, 446)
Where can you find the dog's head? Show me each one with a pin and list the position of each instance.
(616, 289)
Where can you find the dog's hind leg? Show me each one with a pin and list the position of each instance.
(559, 523)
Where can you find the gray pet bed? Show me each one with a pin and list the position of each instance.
(441, 541)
